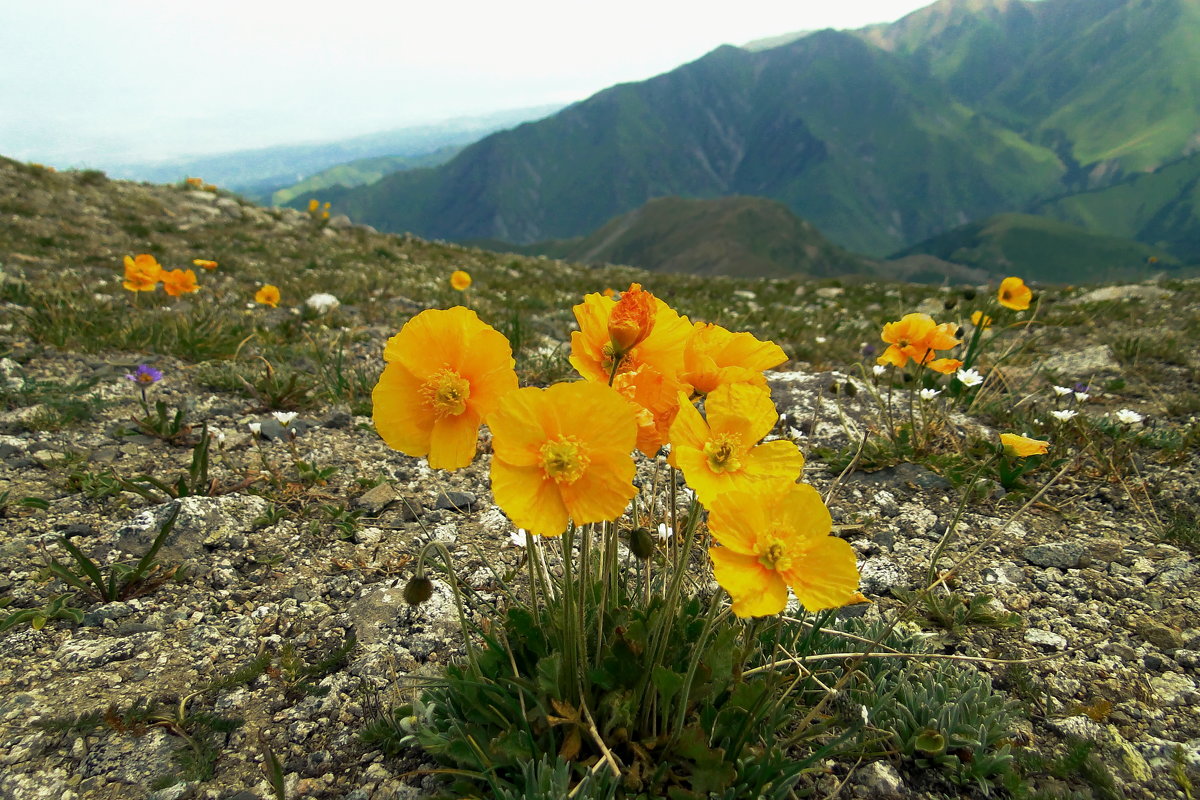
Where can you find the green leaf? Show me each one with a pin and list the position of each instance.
(667, 682)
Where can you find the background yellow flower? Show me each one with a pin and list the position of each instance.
(446, 372)
(268, 295)
(460, 280)
(179, 282)
(1017, 445)
(562, 454)
(1014, 294)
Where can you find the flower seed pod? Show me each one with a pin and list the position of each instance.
(949, 303)
(418, 590)
(849, 389)
(968, 294)
(641, 543)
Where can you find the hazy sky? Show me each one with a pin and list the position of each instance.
(93, 82)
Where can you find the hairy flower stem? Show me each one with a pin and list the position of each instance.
(931, 575)
(441, 550)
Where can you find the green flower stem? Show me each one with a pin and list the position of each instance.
(441, 550)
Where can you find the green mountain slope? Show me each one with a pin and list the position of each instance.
(1161, 208)
(1042, 249)
(853, 138)
(361, 172)
(743, 236)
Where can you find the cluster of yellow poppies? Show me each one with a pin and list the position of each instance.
(143, 273)
(317, 211)
(564, 455)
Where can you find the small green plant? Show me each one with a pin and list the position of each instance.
(161, 423)
(123, 581)
(58, 607)
(193, 483)
(953, 612)
(54, 406)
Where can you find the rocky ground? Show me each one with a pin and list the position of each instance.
(274, 627)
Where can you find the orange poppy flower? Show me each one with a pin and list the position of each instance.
(720, 453)
(446, 371)
(1014, 294)
(592, 350)
(916, 336)
(562, 454)
(142, 274)
(313, 205)
(945, 365)
(460, 280)
(631, 320)
(775, 537)
(204, 262)
(655, 401)
(1022, 446)
(268, 295)
(715, 356)
(179, 282)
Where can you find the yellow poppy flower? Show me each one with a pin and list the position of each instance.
(268, 295)
(714, 356)
(916, 336)
(945, 365)
(775, 537)
(179, 282)
(720, 453)
(981, 320)
(446, 371)
(654, 398)
(591, 346)
(460, 280)
(204, 262)
(142, 274)
(313, 205)
(1022, 446)
(562, 454)
(1014, 294)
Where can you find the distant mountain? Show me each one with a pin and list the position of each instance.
(361, 172)
(1160, 208)
(258, 173)
(742, 236)
(857, 140)
(1038, 248)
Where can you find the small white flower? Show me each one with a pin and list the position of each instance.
(879, 369)
(929, 394)
(285, 417)
(1128, 416)
(664, 532)
(1062, 391)
(217, 436)
(1063, 415)
(969, 377)
(820, 340)
(1081, 397)
(517, 537)
(256, 428)
(321, 302)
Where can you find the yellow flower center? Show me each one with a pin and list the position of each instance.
(564, 459)
(722, 451)
(775, 558)
(446, 392)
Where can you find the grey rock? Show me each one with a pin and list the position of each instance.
(1046, 639)
(202, 522)
(273, 430)
(340, 222)
(1082, 364)
(129, 759)
(109, 611)
(881, 780)
(376, 499)
(1157, 634)
(1173, 689)
(1064, 555)
(880, 575)
(456, 501)
(903, 475)
(1004, 573)
(80, 654)
(1079, 727)
(1129, 292)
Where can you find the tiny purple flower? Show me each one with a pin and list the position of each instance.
(1080, 388)
(868, 350)
(144, 374)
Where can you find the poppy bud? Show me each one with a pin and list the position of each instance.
(850, 389)
(418, 590)
(631, 320)
(968, 294)
(641, 543)
(949, 303)
(834, 388)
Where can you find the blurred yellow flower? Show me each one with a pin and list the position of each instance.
(1022, 446)
(313, 205)
(142, 273)
(446, 371)
(715, 356)
(195, 183)
(775, 537)
(179, 282)
(562, 454)
(1014, 294)
(981, 320)
(460, 280)
(268, 295)
(204, 262)
(721, 453)
(945, 365)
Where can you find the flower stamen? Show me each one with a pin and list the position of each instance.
(446, 393)
(564, 459)
(722, 451)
